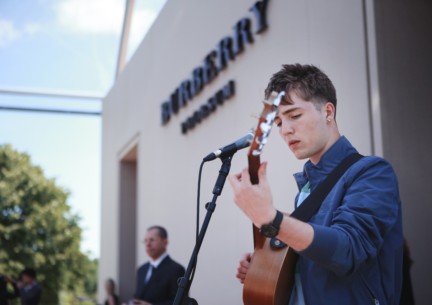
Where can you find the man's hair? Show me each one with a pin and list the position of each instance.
(307, 81)
(29, 272)
(161, 230)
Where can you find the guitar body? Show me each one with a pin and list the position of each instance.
(270, 277)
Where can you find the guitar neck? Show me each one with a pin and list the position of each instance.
(254, 164)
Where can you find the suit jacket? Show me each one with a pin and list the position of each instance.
(162, 286)
(31, 295)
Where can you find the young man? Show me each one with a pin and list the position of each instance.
(156, 281)
(350, 252)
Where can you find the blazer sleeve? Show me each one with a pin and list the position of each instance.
(369, 210)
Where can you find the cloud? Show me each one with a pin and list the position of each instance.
(91, 16)
(9, 33)
(32, 28)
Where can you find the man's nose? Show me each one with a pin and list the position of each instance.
(286, 128)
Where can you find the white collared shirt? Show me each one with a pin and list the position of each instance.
(155, 263)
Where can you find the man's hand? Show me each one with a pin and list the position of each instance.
(243, 267)
(255, 200)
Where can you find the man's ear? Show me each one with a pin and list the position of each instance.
(330, 111)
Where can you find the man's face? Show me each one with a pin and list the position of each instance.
(26, 279)
(304, 128)
(154, 244)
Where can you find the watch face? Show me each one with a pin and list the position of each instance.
(272, 229)
(269, 231)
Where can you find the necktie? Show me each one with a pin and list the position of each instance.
(149, 274)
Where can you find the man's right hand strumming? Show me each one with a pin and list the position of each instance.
(243, 267)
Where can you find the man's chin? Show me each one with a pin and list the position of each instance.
(299, 155)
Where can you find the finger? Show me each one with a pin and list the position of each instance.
(242, 280)
(245, 175)
(234, 180)
(244, 265)
(241, 276)
(246, 257)
(243, 269)
(262, 173)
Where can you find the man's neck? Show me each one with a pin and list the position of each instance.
(30, 284)
(156, 261)
(332, 140)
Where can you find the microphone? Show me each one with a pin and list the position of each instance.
(231, 148)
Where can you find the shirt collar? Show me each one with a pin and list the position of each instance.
(315, 173)
(30, 286)
(155, 263)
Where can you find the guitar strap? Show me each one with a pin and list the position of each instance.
(312, 203)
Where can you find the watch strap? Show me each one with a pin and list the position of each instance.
(278, 219)
(272, 229)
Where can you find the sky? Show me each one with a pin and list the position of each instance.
(65, 47)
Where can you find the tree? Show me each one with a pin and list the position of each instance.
(38, 230)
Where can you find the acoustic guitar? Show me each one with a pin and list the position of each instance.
(270, 277)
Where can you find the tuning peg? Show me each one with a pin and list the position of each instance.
(256, 152)
(265, 128)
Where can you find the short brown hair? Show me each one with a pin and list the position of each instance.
(161, 230)
(307, 81)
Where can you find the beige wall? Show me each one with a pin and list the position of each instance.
(329, 34)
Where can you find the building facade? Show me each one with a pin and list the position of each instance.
(196, 83)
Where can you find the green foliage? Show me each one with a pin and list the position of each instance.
(38, 230)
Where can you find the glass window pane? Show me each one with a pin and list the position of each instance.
(60, 44)
(144, 14)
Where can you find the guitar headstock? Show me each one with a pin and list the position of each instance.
(265, 123)
(262, 132)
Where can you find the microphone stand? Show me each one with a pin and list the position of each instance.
(186, 281)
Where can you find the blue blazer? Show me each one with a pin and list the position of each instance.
(356, 254)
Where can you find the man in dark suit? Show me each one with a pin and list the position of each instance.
(156, 280)
(30, 289)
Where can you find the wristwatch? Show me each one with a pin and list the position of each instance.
(272, 229)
